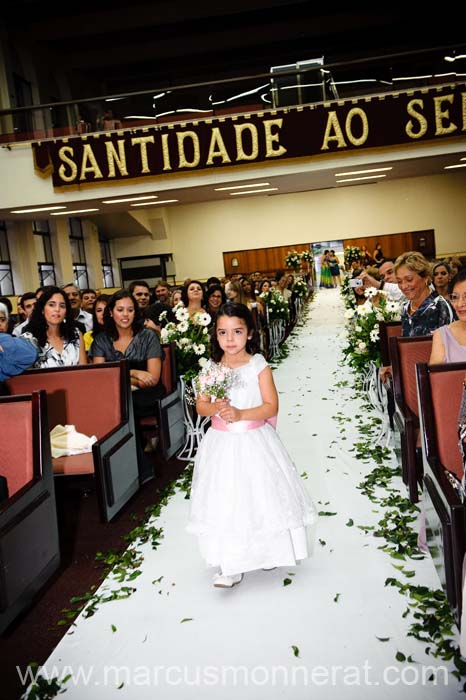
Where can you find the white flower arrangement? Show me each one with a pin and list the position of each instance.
(352, 253)
(293, 259)
(277, 306)
(300, 288)
(191, 339)
(306, 256)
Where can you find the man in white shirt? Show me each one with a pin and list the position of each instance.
(81, 316)
(387, 281)
(26, 306)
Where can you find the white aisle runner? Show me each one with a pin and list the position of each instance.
(179, 638)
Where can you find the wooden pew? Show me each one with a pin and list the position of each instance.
(405, 353)
(167, 423)
(96, 399)
(29, 545)
(439, 396)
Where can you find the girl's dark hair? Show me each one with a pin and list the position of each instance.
(38, 325)
(96, 327)
(184, 292)
(109, 324)
(215, 288)
(261, 284)
(459, 277)
(233, 310)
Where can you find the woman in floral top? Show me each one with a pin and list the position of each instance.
(423, 311)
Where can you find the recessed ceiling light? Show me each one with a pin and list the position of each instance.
(460, 165)
(268, 189)
(128, 199)
(354, 179)
(74, 211)
(242, 187)
(362, 172)
(152, 204)
(30, 211)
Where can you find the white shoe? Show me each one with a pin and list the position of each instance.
(221, 581)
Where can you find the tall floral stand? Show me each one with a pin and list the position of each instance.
(195, 425)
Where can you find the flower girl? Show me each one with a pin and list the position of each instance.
(248, 508)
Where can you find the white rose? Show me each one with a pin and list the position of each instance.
(202, 361)
(349, 313)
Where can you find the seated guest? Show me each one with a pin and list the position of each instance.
(264, 286)
(282, 285)
(423, 311)
(162, 291)
(157, 315)
(26, 306)
(215, 298)
(449, 342)
(97, 320)
(192, 296)
(441, 276)
(54, 332)
(124, 336)
(211, 281)
(455, 265)
(140, 290)
(386, 281)
(175, 297)
(234, 293)
(250, 298)
(88, 297)
(4, 318)
(82, 318)
(8, 322)
(16, 355)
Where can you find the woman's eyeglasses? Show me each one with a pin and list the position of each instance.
(457, 297)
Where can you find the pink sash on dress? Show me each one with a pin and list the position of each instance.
(241, 426)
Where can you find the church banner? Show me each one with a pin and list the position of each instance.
(294, 132)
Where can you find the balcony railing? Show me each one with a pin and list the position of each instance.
(305, 82)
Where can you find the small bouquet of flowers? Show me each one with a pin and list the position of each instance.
(215, 380)
(293, 259)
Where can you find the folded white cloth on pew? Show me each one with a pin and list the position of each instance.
(65, 440)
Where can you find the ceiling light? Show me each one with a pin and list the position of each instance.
(128, 199)
(269, 189)
(162, 201)
(242, 187)
(74, 211)
(354, 179)
(362, 172)
(450, 59)
(460, 165)
(30, 211)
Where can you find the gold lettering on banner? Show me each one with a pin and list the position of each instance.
(93, 166)
(116, 158)
(443, 114)
(273, 138)
(183, 162)
(63, 155)
(142, 142)
(240, 152)
(165, 153)
(412, 104)
(333, 125)
(217, 148)
(357, 111)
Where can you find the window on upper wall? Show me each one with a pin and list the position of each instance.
(44, 253)
(78, 254)
(6, 273)
(107, 268)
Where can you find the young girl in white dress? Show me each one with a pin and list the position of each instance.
(249, 507)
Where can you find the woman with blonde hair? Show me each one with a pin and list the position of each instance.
(423, 311)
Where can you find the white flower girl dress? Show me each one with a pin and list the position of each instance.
(248, 507)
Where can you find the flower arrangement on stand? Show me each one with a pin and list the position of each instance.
(277, 306)
(363, 328)
(306, 256)
(300, 288)
(352, 254)
(191, 337)
(293, 260)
